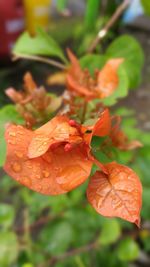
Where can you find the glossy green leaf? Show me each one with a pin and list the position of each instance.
(128, 48)
(128, 250)
(92, 62)
(8, 248)
(91, 14)
(58, 238)
(41, 44)
(110, 233)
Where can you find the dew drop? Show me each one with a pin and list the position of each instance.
(45, 173)
(38, 176)
(26, 181)
(16, 167)
(12, 142)
(18, 154)
(20, 132)
(12, 133)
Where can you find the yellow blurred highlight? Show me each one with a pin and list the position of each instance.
(37, 14)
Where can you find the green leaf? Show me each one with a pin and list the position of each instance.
(6, 215)
(8, 114)
(128, 48)
(128, 250)
(41, 44)
(146, 6)
(8, 248)
(61, 5)
(92, 62)
(91, 14)
(27, 265)
(58, 238)
(110, 233)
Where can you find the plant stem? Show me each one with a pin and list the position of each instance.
(17, 56)
(101, 34)
(73, 252)
(85, 104)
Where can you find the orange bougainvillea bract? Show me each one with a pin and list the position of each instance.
(81, 83)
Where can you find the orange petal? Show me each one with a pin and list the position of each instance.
(101, 128)
(74, 86)
(107, 81)
(55, 172)
(121, 141)
(103, 125)
(118, 194)
(15, 96)
(55, 131)
(75, 68)
(75, 77)
(30, 85)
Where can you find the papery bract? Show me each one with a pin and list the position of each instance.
(120, 139)
(56, 131)
(54, 172)
(81, 83)
(116, 194)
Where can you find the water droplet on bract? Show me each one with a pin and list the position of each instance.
(18, 154)
(38, 187)
(45, 173)
(16, 167)
(40, 149)
(12, 133)
(29, 166)
(20, 132)
(12, 142)
(45, 143)
(26, 181)
(38, 176)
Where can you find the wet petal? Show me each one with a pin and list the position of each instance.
(55, 172)
(103, 125)
(116, 194)
(55, 131)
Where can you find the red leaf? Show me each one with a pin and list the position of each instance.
(116, 194)
(55, 172)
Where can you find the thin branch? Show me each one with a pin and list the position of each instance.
(17, 56)
(102, 33)
(40, 222)
(73, 252)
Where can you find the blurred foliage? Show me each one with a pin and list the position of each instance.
(146, 6)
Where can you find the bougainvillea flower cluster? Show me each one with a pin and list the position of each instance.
(33, 103)
(57, 158)
(81, 83)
